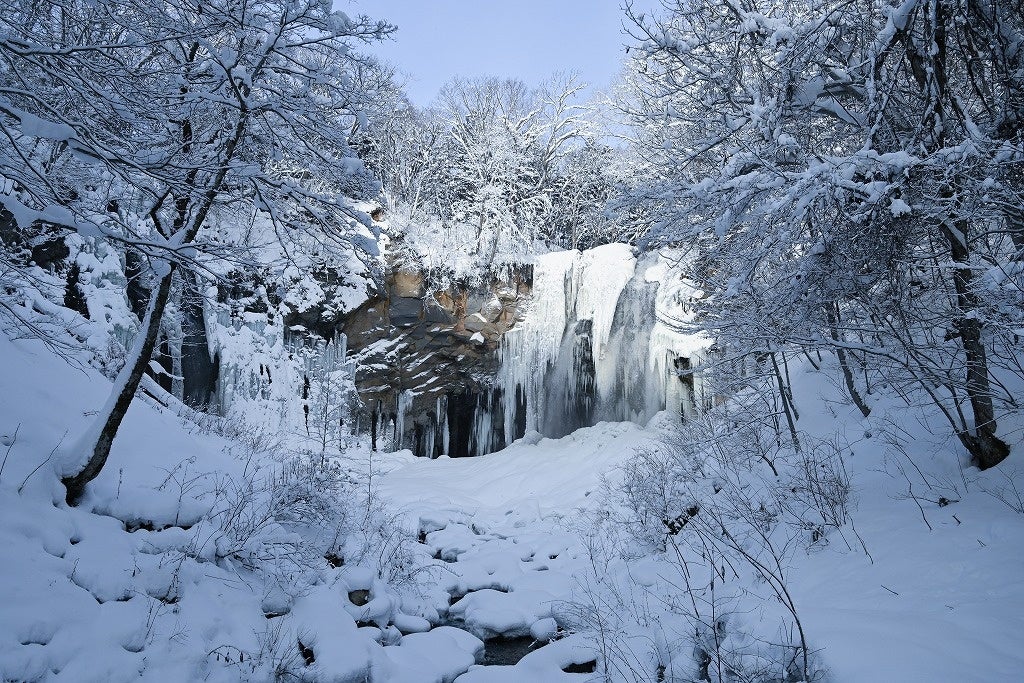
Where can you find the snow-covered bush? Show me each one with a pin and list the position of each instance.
(280, 379)
(697, 536)
(817, 494)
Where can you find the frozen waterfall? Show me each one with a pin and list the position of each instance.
(594, 347)
(590, 344)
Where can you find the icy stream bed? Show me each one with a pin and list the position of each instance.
(506, 528)
(933, 602)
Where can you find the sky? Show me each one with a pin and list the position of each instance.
(525, 39)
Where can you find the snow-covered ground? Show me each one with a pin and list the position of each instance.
(939, 599)
(197, 556)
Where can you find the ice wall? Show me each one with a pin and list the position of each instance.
(600, 342)
(596, 340)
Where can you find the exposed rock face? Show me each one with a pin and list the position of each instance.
(462, 369)
(427, 359)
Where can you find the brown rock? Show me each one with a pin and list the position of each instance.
(445, 301)
(492, 309)
(405, 283)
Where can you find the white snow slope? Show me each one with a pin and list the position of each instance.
(175, 569)
(194, 557)
(941, 597)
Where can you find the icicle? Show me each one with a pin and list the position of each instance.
(442, 417)
(482, 431)
(405, 399)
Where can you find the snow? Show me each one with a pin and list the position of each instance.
(170, 569)
(36, 127)
(155, 578)
(898, 207)
(341, 654)
(533, 473)
(656, 519)
(510, 526)
(601, 274)
(544, 665)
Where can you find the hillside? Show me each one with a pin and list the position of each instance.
(192, 544)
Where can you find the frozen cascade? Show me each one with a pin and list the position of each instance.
(405, 399)
(533, 346)
(587, 342)
(632, 385)
(590, 345)
(601, 274)
(595, 346)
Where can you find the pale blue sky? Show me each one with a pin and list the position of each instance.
(527, 39)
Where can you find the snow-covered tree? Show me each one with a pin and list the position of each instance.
(586, 182)
(158, 125)
(847, 174)
(490, 162)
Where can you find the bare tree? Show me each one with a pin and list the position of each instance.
(158, 124)
(844, 176)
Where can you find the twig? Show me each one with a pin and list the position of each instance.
(42, 463)
(862, 543)
(14, 440)
(910, 494)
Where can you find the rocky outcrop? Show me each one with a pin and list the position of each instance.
(427, 357)
(459, 369)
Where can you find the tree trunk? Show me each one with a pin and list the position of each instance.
(1015, 226)
(787, 403)
(985, 447)
(832, 315)
(928, 62)
(100, 436)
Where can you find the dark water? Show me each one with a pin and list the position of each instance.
(506, 651)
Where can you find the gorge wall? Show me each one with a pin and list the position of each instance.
(426, 360)
(571, 340)
(328, 352)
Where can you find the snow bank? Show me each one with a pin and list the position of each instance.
(191, 558)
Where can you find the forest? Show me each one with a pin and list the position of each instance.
(712, 374)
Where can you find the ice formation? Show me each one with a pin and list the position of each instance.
(601, 340)
(595, 345)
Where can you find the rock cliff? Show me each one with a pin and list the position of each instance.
(426, 358)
